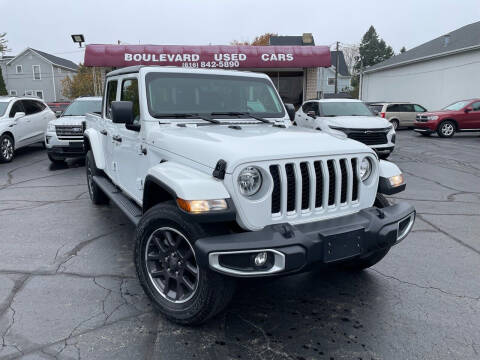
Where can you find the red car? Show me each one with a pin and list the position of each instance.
(460, 116)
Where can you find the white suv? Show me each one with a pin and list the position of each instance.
(23, 121)
(351, 117)
(64, 136)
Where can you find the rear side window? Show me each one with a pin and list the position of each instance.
(32, 107)
(110, 96)
(16, 107)
(408, 108)
(393, 108)
(130, 93)
(376, 108)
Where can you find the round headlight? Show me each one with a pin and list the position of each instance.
(249, 181)
(365, 168)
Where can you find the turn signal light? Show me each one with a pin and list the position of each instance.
(201, 206)
(396, 180)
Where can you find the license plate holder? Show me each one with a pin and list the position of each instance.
(342, 246)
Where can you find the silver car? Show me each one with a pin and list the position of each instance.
(399, 114)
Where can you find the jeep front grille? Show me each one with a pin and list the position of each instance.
(69, 132)
(306, 186)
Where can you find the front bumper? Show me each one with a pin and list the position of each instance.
(425, 127)
(293, 248)
(62, 149)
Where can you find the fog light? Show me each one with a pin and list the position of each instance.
(261, 259)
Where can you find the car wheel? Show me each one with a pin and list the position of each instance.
(97, 195)
(446, 129)
(168, 270)
(371, 259)
(7, 148)
(55, 160)
(395, 124)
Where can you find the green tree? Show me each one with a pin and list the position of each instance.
(402, 50)
(82, 84)
(3, 43)
(3, 88)
(372, 50)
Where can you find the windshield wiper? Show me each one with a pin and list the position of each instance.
(187, 116)
(236, 113)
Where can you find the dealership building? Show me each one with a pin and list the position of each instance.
(434, 74)
(293, 64)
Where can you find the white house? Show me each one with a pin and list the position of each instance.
(36, 73)
(433, 74)
(326, 76)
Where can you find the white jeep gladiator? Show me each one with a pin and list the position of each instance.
(219, 185)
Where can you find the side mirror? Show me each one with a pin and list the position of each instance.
(122, 112)
(312, 114)
(18, 115)
(58, 113)
(468, 109)
(290, 111)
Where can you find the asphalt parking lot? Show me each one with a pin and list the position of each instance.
(68, 288)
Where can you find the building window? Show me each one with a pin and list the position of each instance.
(19, 69)
(331, 81)
(13, 92)
(39, 93)
(28, 92)
(59, 70)
(36, 72)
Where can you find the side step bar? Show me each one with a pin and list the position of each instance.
(127, 206)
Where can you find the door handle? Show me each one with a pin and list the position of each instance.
(143, 150)
(104, 132)
(117, 138)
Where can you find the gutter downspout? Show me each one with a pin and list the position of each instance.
(54, 89)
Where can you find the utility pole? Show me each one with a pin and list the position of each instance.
(336, 72)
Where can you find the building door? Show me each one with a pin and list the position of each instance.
(289, 85)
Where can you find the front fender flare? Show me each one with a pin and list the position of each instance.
(95, 141)
(187, 183)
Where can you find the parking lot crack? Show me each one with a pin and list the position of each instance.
(427, 287)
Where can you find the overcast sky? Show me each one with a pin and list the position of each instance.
(47, 25)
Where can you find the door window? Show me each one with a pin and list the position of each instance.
(307, 107)
(110, 96)
(408, 108)
(130, 93)
(32, 106)
(476, 106)
(16, 107)
(419, 108)
(393, 108)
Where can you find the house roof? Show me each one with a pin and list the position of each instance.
(289, 40)
(463, 39)
(51, 58)
(342, 65)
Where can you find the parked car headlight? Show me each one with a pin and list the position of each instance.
(365, 168)
(432, 117)
(249, 181)
(50, 127)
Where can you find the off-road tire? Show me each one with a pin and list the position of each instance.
(55, 160)
(365, 262)
(446, 129)
(97, 195)
(6, 155)
(213, 291)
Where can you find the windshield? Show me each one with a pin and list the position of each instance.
(457, 106)
(347, 108)
(81, 107)
(207, 94)
(3, 107)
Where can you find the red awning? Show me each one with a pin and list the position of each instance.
(209, 56)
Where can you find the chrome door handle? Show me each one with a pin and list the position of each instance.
(104, 132)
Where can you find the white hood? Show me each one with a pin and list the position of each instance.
(208, 144)
(356, 122)
(68, 120)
